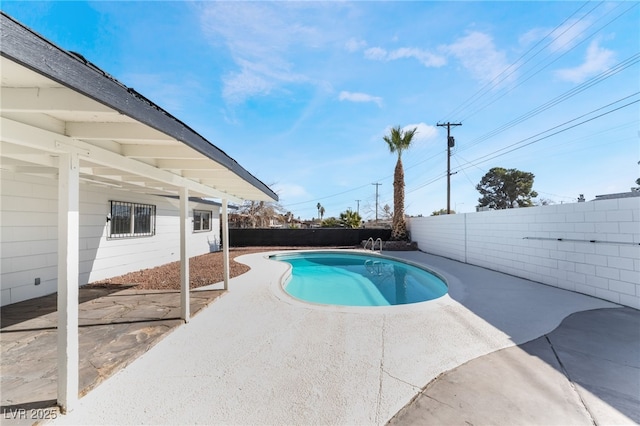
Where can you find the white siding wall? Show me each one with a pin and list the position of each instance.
(524, 242)
(28, 236)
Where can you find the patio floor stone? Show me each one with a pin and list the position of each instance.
(117, 324)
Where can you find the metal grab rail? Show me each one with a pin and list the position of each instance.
(374, 245)
(367, 243)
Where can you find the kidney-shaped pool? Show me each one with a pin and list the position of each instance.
(358, 279)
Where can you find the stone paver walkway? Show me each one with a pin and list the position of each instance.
(117, 324)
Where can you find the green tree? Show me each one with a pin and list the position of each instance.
(506, 188)
(398, 141)
(442, 211)
(331, 222)
(350, 219)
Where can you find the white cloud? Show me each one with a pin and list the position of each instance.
(288, 191)
(597, 59)
(353, 45)
(375, 53)
(426, 58)
(360, 97)
(533, 36)
(479, 55)
(568, 35)
(425, 132)
(560, 39)
(262, 38)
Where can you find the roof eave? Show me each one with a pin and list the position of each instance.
(32, 51)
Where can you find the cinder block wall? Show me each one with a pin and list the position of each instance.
(591, 248)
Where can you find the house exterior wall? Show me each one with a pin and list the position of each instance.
(28, 235)
(525, 242)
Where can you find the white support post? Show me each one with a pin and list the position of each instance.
(185, 308)
(68, 271)
(225, 243)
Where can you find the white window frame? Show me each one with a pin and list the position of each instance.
(199, 220)
(131, 220)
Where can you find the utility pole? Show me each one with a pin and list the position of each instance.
(450, 144)
(358, 208)
(377, 185)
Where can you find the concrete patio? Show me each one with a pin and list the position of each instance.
(491, 351)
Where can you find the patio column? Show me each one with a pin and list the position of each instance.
(68, 270)
(225, 244)
(185, 313)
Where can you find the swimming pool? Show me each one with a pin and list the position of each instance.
(358, 279)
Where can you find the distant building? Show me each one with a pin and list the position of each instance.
(633, 193)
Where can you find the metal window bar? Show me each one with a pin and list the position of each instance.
(201, 220)
(132, 220)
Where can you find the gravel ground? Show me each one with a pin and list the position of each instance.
(203, 270)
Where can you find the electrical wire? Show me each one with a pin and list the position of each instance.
(634, 59)
(534, 71)
(497, 80)
(520, 144)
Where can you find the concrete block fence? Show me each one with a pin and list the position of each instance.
(591, 248)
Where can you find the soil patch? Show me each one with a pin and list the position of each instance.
(203, 270)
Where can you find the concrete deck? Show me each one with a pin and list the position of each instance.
(257, 356)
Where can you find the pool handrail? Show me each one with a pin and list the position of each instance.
(367, 243)
(373, 248)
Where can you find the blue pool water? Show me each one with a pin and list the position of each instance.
(352, 279)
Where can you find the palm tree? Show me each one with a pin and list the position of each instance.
(399, 140)
(321, 212)
(350, 219)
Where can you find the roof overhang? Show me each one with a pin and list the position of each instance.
(53, 101)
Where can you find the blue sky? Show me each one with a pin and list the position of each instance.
(301, 93)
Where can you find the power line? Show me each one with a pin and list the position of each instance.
(492, 84)
(578, 89)
(537, 71)
(519, 145)
(515, 146)
(502, 151)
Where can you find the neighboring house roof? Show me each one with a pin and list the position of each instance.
(124, 139)
(617, 195)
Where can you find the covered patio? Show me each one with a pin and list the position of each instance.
(117, 324)
(64, 119)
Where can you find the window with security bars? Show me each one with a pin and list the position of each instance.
(201, 220)
(129, 220)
